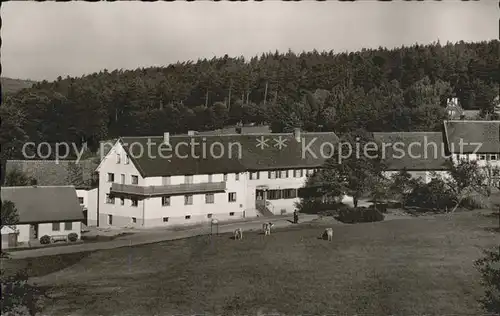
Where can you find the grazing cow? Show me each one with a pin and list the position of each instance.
(329, 233)
(266, 227)
(238, 234)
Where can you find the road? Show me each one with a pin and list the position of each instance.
(155, 235)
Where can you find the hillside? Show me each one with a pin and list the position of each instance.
(10, 85)
(401, 89)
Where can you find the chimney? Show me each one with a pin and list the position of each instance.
(296, 134)
(166, 138)
(191, 133)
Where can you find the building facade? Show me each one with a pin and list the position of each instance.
(44, 211)
(192, 187)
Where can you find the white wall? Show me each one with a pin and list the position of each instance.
(176, 211)
(274, 206)
(110, 165)
(46, 229)
(90, 203)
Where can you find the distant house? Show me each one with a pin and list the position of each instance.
(419, 153)
(237, 129)
(475, 140)
(48, 210)
(457, 112)
(79, 174)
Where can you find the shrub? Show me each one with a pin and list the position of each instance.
(432, 195)
(359, 215)
(476, 202)
(45, 240)
(73, 237)
(489, 267)
(316, 206)
(18, 297)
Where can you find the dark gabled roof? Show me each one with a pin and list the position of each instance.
(400, 156)
(56, 173)
(473, 133)
(249, 157)
(44, 204)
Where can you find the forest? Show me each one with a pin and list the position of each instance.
(401, 89)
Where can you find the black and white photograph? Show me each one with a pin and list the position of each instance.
(250, 158)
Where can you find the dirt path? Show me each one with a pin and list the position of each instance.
(155, 235)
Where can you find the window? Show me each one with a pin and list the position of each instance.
(118, 158)
(284, 174)
(111, 177)
(309, 172)
(80, 200)
(493, 157)
(165, 219)
(210, 178)
(109, 199)
(135, 180)
(134, 220)
(232, 197)
(482, 157)
(134, 202)
(225, 177)
(56, 227)
(188, 179)
(127, 160)
(188, 200)
(165, 201)
(254, 175)
(274, 194)
(231, 214)
(209, 198)
(165, 180)
(237, 177)
(122, 201)
(122, 178)
(68, 226)
(110, 219)
(187, 217)
(271, 175)
(209, 215)
(289, 193)
(298, 173)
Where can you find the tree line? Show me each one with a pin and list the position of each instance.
(401, 89)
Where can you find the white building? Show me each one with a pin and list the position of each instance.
(476, 140)
(419, 153)
(61, 173)
(47, 210)
(201, 177)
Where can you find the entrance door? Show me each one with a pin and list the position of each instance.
(33, 231)
(260, 198)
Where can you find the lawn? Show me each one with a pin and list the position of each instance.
(405, 267)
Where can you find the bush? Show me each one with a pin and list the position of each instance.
(476, 202)
(316, 206)
(18, 297)
(73, 237)
(359, 215)
(45, 240)
(432, 195)
(489, 267)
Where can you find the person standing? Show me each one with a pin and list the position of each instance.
(295, 217)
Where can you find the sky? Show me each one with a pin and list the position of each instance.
(44, 40)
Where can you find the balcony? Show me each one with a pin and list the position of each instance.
(159, 190)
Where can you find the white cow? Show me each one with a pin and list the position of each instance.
(266, 227)
(238, 234)
(329, 233)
